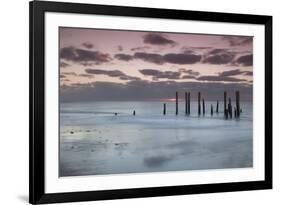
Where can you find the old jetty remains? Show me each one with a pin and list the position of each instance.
(228, 109)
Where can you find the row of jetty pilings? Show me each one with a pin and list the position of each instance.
(228, 109)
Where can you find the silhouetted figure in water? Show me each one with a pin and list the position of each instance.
(134, 113)
(115, 114)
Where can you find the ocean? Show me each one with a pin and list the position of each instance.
(95, 141)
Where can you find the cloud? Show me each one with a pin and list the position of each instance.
(62, 76)
(190, 72)
(81, 56)
(140, 48)
(123, 57)
(173, 58)
(86, 75)
(219, 59)
(231, 73)
(69, 73)
(238, 40)
(157, 39)
(111, 73)
(201, 47)
(194, 49)
(219, 78)
(64, 64)
(218, 51)
(127, 77)
(188, 77)
(151, 90)
(157, 74)
(150, 57)
(219, 56)
(189, 52)
(246, 60)
(249, 73)
(88, 45)
(181, 58)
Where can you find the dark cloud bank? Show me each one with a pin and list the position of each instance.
(173, 58)
(157, 39)
(83, 56)
(226, 76)
(144, 90)
(216, 56)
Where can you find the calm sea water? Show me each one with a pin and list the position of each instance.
(94, 141)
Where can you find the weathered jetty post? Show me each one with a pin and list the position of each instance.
(177, 103)
(134, 113)
(164, 109)
(188, 103)
(237, 95)
(229, 108)
(217, 109)
(235, 112)
(224, 100)
(199, 101)
(212, 110)
(203, 102)
(185, 95)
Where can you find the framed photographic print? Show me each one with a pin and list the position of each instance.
(141, 102)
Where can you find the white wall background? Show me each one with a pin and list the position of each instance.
(14, 100)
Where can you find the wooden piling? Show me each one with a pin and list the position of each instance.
(134, 113)
(217, 109)
(203, 102)
(164, 109)
(237, 95)
(188, 103)
(185, 96)
(229, 108)
(177, 103)
(224, 100)
(212, 110)
(199, 101)
(235, 112)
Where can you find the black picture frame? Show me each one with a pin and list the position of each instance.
(37, 194)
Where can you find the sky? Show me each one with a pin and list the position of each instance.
(117, 65)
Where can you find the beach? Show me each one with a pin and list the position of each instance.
(98, 138)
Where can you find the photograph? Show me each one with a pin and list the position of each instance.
(151, 101)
